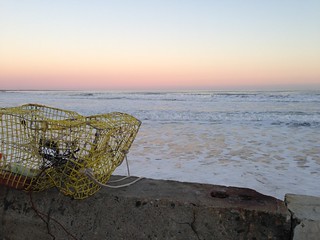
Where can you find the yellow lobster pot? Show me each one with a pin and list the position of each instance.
(42, 147)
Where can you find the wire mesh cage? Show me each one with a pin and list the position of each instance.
(42, 147)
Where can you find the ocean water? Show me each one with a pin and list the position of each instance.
(265, 140)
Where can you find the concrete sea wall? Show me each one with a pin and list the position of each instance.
(149, 209)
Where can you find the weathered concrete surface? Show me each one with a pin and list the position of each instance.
(149, 209)
(305, 216)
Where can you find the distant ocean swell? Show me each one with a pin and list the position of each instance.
(293, 109)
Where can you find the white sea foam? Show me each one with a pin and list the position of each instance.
(268, 141)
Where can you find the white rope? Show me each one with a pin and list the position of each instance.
(119, 180)
(89, 173)
(127, 162)
(128, 171)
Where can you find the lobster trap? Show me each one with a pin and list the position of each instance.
(42, 147)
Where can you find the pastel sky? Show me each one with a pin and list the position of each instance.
(159, 44)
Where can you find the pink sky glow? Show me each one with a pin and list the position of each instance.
(97, 45)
